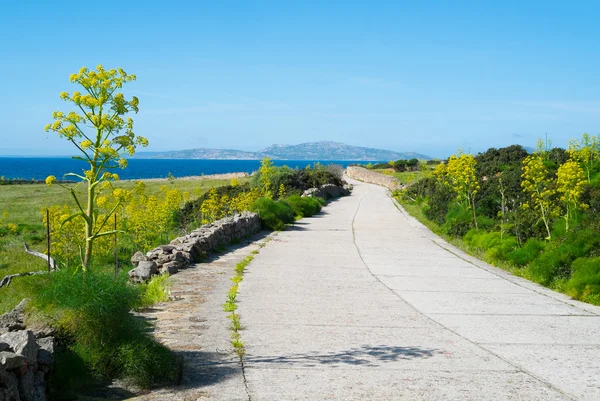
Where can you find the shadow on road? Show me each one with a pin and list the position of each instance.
(206, 368)
(364, 356)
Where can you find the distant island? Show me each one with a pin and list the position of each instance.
(324, 150)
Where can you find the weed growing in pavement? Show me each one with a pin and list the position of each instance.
(231, 304)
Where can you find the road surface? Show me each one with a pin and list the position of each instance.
(364, 303)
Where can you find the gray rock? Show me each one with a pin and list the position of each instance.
(39, 383)
(14, 320)
(22, 343)
(10, 360)
(327, 191)
(167, 248)
(143, 272)
(11, 385)
(46, 350)
(4, 346)
(27, 385)
(171, 267)
(175, 256)
(138, 257)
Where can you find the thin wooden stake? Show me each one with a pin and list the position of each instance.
(48, 235)
(116, 250)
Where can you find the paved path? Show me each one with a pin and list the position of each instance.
(363, 303)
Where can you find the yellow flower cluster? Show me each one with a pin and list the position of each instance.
(570, 180)
(539, 187)
(460, 175)
(149, 217)
(50, 180)
(215, 207)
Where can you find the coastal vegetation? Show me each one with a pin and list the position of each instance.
(537, 215)
(407, 171)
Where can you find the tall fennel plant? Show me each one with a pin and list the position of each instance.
(102, 134)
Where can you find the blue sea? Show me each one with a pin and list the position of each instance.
(38, 168)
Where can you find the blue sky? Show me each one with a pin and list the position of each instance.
(409, 76)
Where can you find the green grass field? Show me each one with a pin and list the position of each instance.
(24, 203)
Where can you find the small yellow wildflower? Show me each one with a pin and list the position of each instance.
(50, 180)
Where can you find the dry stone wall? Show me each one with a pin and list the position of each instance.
(191, 248)
(372, 177)
(26, 359)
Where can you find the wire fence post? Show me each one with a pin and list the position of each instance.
(116, 250)
(48, 235)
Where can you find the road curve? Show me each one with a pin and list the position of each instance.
(364, 303)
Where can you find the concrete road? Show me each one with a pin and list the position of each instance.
(364, 303)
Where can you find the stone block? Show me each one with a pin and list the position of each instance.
(46, 350)
(143, 272)
(23, 343)
(10, 360)
(171, 267)
(138, 257)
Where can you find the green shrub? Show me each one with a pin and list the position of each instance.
(146, 362)
(527, 253)
(299, 180)
(305, 207)
(585, 280)
(438, 204)
(155, 291)
(551, 265)
(555, 262)
(495, 245)
(91, 312)
(273, 214)
(459, 221)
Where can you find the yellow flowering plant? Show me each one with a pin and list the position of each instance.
(570, 180)
(585, 150)
(459, 174)
(100, 132)
(148, 217)
(540, 188)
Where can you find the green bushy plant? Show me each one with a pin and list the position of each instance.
(273, 214)
(527, 253)
(438, 203)
(299, 180)
(585, 280)
(555, 262)
(459, 220)
(91, 312)
(155, 291)
(495, 245)
(305, 206)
